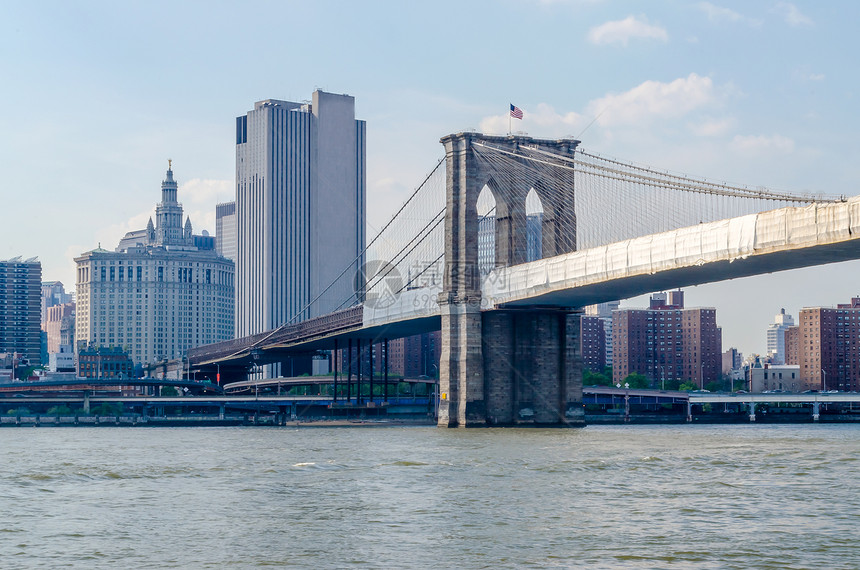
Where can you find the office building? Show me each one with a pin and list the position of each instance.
(667, 342)
(104, 363)
(56, 317)
(53, 293)
(225, 230)
(825, 344)
(162, 291)
(20, 308)
(776, 337)
(300, 210)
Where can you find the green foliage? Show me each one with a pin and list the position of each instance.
(671, 384)
(715, 386)
(168, 391)
(106, 409)
(636, 380)
(59, 411)
(687, 386)
(590, 378)
(27, 371)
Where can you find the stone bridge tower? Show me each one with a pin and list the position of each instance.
(505, 366)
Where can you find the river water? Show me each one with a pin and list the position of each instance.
(747, 496)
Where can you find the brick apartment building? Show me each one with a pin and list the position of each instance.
(826, 345)
(593, 339)
(667, 342)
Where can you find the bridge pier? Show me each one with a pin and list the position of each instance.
(816, 407)
(502, 367)
(752, 411)
(507, 367)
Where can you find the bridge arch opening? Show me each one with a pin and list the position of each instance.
(486, 209)
(534, 226)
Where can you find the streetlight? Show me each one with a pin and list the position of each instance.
(662, 378)
(824, 384)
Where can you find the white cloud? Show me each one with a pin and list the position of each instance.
(760, 144)
(718, 14)
(108, 237)
(654, 100)
(803, 73)
(792, 15)
(622, 31)
(573, 2)
(712, 127)
(543, 118)
(641, 106)
(200, 191)
(198, 198)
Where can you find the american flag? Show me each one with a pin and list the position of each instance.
(516, 112)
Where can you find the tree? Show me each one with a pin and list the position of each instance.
(23, 373)
(687, 386)
(107, 409)
(168, 391)
(59, 411)
(590, 378)
(636, 380)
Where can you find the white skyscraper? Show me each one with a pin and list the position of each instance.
(776, 336)
(300, 210)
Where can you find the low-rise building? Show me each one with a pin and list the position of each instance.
(769, 377)
(104, 363)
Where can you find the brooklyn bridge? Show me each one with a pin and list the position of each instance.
(508, 238)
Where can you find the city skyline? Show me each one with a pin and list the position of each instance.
(761, 95)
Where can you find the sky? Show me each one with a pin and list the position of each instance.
(95, 97)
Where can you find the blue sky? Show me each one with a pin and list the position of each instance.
(96, 96)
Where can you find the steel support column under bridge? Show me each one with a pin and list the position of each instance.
(503, 367)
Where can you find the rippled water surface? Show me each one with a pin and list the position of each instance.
(609, 497)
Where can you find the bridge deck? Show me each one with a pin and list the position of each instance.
(776, 240)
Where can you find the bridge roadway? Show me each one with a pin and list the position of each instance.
(619, 396)
(92, 384)
(591, 394)
(786, 238)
